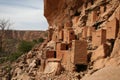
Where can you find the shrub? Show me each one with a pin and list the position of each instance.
(25, 46)
(35, 41)
(14, 56)
(40, 40)
(2, 60)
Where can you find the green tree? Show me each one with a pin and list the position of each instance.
(40, 40)
(25, 46)
(4, 26)
(12, 57)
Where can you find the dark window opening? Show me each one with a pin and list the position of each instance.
(21, 67)
(77, 37)
(81, 67)
(61, 39)
(55, 54)
(38, 62)
(92, 2)
(112, 41)
(77, 13)
(86, 5)
(63, 27)
(67, 47)
(71, 33)
(105, 8)
(89, 57)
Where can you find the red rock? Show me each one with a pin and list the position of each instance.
(101, 52)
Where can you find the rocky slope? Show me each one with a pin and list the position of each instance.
(83, 43)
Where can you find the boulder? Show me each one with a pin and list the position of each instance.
(115, 61)
(101, 52)
(99, 64)
(51, 45)
(29, 55)
(107, 73)
(53, 67)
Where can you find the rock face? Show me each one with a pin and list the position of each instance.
(101, 52)
(83, 42)
(108, 73)
(25, 35)
(61, 8)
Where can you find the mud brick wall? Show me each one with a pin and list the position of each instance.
(112, 29)
(69, 35)
(102, 9)
(94, 16)
(50, 54)
(61, 46)
(79, 52)
(74, 21)
(89, 31)
(68, 24)
(84, 33)
(99, 37)
(62, 54)
(61, 35)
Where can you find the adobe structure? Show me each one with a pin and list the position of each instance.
(68, 45)
(78, 31)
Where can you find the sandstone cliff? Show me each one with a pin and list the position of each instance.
(25, 35)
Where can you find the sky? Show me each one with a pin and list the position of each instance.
(24, 14)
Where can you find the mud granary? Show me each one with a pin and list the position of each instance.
(77, 32)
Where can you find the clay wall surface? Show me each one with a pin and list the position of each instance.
(68, 24)
(62, 54)
(50, 54)
(112, 29)
(69, 35)
(99, 37)
(79, 52)
(102, 9)
(117, 14)
(75, 20)
(65, 35)
(84, 33)
(89, 31)
(55, 36)
(108, 6)
(93, 16)
(61, 46)
(61, 35)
